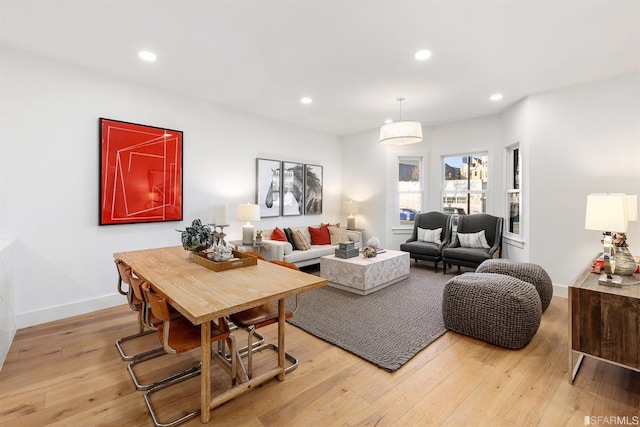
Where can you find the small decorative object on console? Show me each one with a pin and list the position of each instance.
(373, 242)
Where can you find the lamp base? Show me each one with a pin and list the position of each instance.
(351, 223)
(247, 235)
(610, 280)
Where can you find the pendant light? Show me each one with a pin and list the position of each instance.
(401, 132)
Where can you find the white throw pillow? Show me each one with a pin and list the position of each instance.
(473, 240)
(430, 236)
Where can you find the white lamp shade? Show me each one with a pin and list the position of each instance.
(401, 133)
(632, 207)
(248, 212)
(606, 212)
(218, 215)
(351, 208)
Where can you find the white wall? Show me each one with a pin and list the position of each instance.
(582, 139)
(577, 140)
(49, 169)
(515, 129)
(370, 174)
(574, 141)
(364, 159)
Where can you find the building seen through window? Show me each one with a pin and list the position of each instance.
(464, 187)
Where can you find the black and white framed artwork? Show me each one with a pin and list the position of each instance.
(268, 186)
(292, 188)
(312, 189)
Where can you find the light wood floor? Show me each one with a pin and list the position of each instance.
(68, 373)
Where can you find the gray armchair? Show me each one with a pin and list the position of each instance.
(428, 251)
(470, 252)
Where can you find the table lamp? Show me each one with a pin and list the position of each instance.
(351, 208)
(625, 263)
(607, 212)
(248, 212)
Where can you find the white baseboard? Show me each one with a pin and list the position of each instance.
(561, 291)
(50, 314)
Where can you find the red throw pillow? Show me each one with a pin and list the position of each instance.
(320, 236)
(278, 234)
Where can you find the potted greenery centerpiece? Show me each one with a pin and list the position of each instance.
(196, 238)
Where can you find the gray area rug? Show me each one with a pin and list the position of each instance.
(387, 327)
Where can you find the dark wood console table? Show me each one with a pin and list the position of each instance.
(604, 322)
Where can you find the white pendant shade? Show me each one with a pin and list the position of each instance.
(401, 133)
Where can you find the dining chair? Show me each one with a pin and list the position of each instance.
(178, 335)
(150, 321)
(255, 254)
(259, 317)
(136, 303)
(259, 339)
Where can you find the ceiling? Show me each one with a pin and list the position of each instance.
(353, 57)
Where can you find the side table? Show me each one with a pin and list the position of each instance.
(604, 322)
(255, 247)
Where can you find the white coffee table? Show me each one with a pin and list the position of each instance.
(362, 275)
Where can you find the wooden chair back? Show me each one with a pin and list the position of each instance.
(157, 304)
(255, 254)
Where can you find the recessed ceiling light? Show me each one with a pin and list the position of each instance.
(147, 56)
(421, 55)
(496, 97)
(306, 100)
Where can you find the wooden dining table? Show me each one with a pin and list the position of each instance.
(203, 295)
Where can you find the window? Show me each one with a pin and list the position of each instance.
(514, 178)
(464, 187)
(409, 188)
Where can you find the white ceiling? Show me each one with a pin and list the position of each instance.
(353, 57)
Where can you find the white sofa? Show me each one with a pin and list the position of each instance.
(283, 251)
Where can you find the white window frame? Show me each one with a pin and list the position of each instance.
(510, 190)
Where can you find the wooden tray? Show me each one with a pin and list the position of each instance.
(243, 260)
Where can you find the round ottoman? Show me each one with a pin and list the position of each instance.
(496, 308)
(528, 272)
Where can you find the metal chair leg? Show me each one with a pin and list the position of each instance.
(148, 386)
(129, 357)
(173, 381)
(189, 373)
(255, 349)
(242, 350)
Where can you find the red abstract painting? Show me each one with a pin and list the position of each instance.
(140, 173)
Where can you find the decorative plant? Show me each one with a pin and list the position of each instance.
(197, 237)
(259, 234)
(620, 240)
